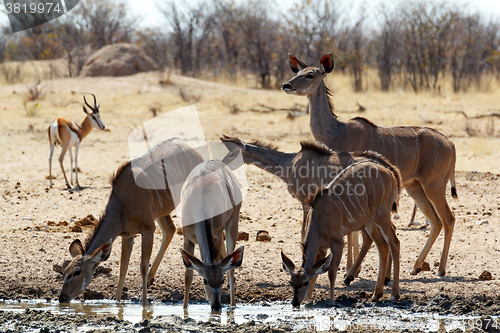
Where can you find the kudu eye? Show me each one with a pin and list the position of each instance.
(205, 281)
(306, 283)
(77, 273)
(310, 76)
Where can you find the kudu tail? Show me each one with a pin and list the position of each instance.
(453, 185)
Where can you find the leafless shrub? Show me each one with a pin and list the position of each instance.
(12, 72)
(155, 109)
(228, 103)
(164, 76)
(188, 96)
(35, 92)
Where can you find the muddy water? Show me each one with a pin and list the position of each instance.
(341, 318)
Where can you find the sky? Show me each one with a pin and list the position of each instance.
(151, 17)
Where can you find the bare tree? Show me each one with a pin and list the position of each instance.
(190, 28)
(106, 21)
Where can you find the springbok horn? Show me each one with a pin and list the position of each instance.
(87, 103)
(95, 104)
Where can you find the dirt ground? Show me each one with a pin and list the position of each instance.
(37, 223)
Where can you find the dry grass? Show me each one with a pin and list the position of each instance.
(123, 109)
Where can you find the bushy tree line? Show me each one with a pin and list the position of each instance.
(414, 45)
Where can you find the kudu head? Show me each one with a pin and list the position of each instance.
(308, 78)
(300, 277)
(94, 116)
(213, 274)
(233, 159)
(78, 274)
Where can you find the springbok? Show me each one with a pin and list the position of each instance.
(425, 157)
(312, 168)
(361, 196)
(140, 194)
(68, 134)
(211, 201)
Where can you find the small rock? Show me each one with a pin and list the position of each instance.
(436, 263)
(261, 197)
(76, 228)
(51, 223)
(396, 217)
(481, 222)
(26, 219)
(485, 276)
(103, 270)
(243, 236)
(263, 236)
(179, 231)
(426, 267)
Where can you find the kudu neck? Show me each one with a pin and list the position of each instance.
(109, 226)
(323, 119)
(276, 162)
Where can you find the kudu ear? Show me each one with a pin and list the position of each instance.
(190, 261)
(234, 260)
(85, 110)
(288, 265)
(76, 248)
(102, 253)
(327, 63)
(295, 64)
(321, 266)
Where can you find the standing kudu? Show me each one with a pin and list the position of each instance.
(425, 157)
(362, 196)
(305, 172)
(140, 194)
(211, 201)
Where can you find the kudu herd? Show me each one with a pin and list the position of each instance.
(349, 180)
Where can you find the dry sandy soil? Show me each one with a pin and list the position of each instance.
(36, 221)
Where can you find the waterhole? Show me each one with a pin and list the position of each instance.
(319, 318)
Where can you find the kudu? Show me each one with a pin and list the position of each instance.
(361, 196)
(68, 134)
(211, 201)
(306, 171)
(142, 192)
(425, 157)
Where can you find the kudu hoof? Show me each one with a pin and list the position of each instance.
(442, 273)
(348, 280)
(150, 283)
(386, 281)
(376, 297)
(394, 298)
(415, 271)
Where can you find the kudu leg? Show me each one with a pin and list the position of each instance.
(349, 261)
(231, 236)
(167, 230)
(438, 200)
(389, 234)
(147, 248)
(188, 274)
(383, 253)
(127, 245)
(354, 271)
(417, 193)
(336, 249)
(319, 256)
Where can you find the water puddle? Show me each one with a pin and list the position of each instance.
(321, 319)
